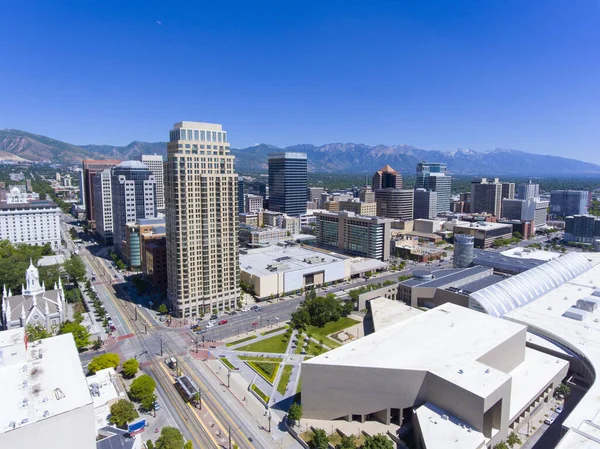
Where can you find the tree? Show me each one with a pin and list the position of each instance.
(501, 445)
(75, 268)
(37, 332)
(141, 387)
(130, 367)
(170, 438)
(300, 318)
(320, 440)
(513, 439)
(149, 444)
(378, 441)
(148, 402)
(73, 295)
(109, 360)
(295, 412)
(347, 442)
(80, 333)
(120, 264)
(162, 309)
(188, 445)
(122, 412)
(563, 390)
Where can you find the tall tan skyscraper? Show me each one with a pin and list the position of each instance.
(201, 215)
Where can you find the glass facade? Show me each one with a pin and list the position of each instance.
(288, 178)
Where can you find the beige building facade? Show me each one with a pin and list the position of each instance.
(201, 189)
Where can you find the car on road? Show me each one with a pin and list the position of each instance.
(201, 331)
(222, 322)
(549, 420)
(245, 309)
(139, 305)
(559, 409)
(156, 406)
(213, 317)
(210, 324)
(255, 308)
(233, 312)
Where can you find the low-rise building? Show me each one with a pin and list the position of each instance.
(359, 207)
(154, 262)
(254, 236)
(46, 400)
(355, 234)
(483, 232)
(106, 388)
(473, 373)
(531, 209)
(143, 230)
(278, 270)
(254, 203)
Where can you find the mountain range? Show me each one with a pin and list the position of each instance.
(23, 146)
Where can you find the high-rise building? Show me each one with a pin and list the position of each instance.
(425, 204)
(80, 177)
(367, 195)
(569, 202)
(201, 189)
(359, 207)
(103, 206)
(531, 209)
(254, 203)
(241, 196)
(582, 229)
(528, 190)
(508, 190)
(90, 168)
(134, 196)
(387, 178)
(314, 195)
(156, 165)
(288, 177)
(365, 236)
(395, 203)
(434, 177)
(486, 196)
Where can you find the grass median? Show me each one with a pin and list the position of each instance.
(276, 344)
(242, 340)
(284, 380)
(261, 393)
(321, 333)
(266, 370)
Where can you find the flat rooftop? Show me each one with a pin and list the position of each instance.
(277, 259)
(484, 225)
(530, 253)
(386, 312)
(549, 315)
(41, 382)
(446, 277)
(447, 341)
(502, 262)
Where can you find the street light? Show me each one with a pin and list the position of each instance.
(269, 418)
(228, 377)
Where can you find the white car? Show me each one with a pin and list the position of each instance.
(210, 324)
(245, 309)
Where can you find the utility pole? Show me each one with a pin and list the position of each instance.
(196, 344)
(135, 310)
(229, 433)
(269, 418)
(228, 377)
(161, 345)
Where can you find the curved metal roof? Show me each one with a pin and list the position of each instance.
(526, 287)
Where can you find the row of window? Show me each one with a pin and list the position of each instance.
(197, 135)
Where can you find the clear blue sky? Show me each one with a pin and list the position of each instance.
(434, 74)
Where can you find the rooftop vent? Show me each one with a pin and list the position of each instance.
(58, 393)
(24, 421)
(46, 413)
(460, 371)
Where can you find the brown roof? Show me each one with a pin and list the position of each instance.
(388, 169)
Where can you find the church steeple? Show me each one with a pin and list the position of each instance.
(32, 280)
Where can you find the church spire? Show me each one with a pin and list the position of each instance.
(47, 309)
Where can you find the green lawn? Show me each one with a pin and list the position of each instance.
(272, 331)
(277, 344)
(319, 333)
(313, 349)
(260, 393)
(267, 371)
(227, 363)
(237, 342)
(255, 358)
(285, 378)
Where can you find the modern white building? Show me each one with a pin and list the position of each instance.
(103, 206)
(277, 270)
(35, 305)
(530, 209)
(156, 165)
(106, 388)
(558, 302)
(45, 399)
(461, 376)
(31, 222)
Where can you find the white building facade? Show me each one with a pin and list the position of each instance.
(103, 206)
(156, 165)
(30, 222)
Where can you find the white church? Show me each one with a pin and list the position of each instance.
(35, 305)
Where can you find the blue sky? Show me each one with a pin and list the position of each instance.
(434, 74)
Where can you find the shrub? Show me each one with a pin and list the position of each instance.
(103, 361)
(141, 387)
(130, 367)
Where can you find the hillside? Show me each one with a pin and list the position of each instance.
(329, 158)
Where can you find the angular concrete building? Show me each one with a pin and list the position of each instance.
(472, 370)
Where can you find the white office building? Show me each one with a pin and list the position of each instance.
(156, 165)
(530, 209)
(31, 222)
(45, 399)
(103, 206)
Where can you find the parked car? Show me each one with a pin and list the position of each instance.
(549, 420)
(210, 324)
(213, 317)
(233, 312)
(222, 322)
(559, 409)
(156, 406)
(245, 309)
(255, 307)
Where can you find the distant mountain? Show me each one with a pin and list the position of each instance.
(329, 158)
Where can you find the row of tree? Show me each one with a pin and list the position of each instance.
(320, 440)
(320, 310)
